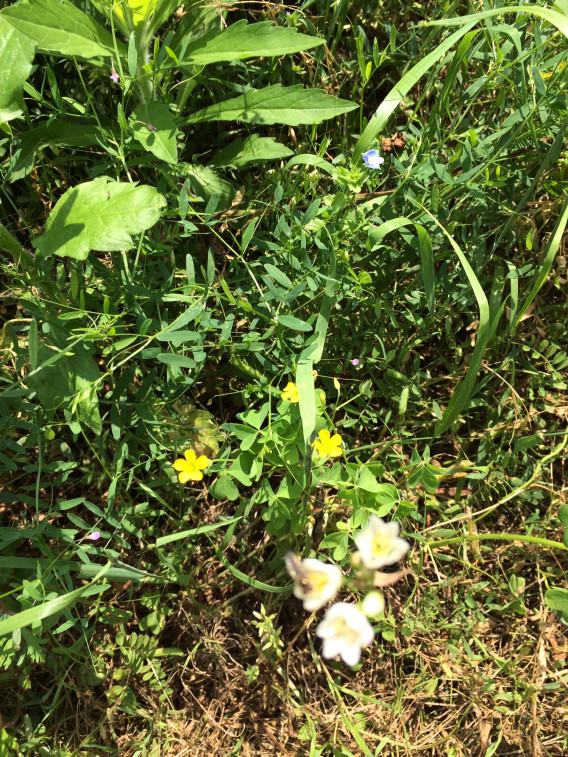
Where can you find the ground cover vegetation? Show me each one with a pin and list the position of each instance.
(283, 321)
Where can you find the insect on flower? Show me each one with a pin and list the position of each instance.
(315, 582)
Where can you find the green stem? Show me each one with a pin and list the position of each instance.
(22, 257)
(500, 537)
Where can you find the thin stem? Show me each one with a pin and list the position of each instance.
(499, 537)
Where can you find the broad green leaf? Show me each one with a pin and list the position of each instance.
(253, 149)
(557, 599)
(161, 139)
(16, 55)
(70, 382)
(276, 105)
(134, 12)
(99, 215)
(224, 488)
(205, 183)
(244, 40)
(58, 27)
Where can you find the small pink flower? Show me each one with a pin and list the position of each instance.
(114, 76)
(355, 361)
(94, 536)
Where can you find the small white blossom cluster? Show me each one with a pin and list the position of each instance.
(345, 629)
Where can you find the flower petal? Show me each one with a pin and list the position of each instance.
(189, 455)
(180, 464)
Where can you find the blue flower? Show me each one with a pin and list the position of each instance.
(372, 159)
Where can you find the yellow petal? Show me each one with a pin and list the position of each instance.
(324, 436)
(184, 477)
(335, 440)
(202, 462)
(335, 452)
(190, 456)
(195, 475)
(180, 464)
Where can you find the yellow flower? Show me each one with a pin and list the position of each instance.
(290, 392)
(327, 445)
(190, 468)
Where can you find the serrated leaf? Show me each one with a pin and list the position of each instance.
(99, 215)
(253, 149)
(276, 105)
(16, 55)
(244, 40)
(156, 130)
(57, 26)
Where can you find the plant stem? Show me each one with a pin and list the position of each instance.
(500, 537)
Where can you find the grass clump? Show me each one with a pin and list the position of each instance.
(280, 282)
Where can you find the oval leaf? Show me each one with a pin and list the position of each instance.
(276, 105)
(99, 215)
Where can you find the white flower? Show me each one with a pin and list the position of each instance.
(315, 582)
(373, 604)
(379, 543)
(345, 631)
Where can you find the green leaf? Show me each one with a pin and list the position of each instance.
(58, 27)
(141, 11)
(276, 105)
(205, 183)
(70, 382)
(244, 40)
(36, 614)
(428, 267)
(402, 88)
(99, 215)
(563, 515)
(161, 140)
(253, 149)
(557, 599)
(291, 322)
(16, 55)
(79, 133)
(224, 488)
(548, 259)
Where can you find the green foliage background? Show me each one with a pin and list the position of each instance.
(179, 244)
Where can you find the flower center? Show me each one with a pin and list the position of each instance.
(314, 582)
(348, 634)
(380, 544)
